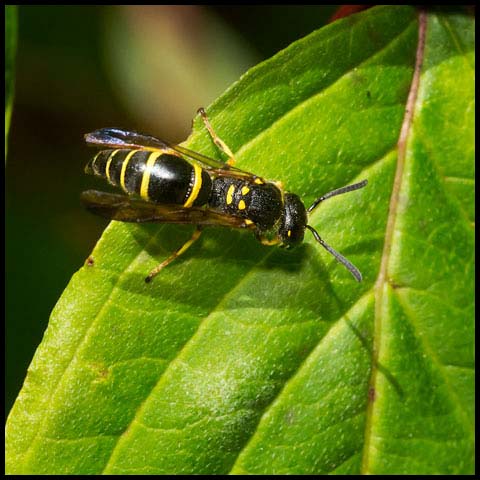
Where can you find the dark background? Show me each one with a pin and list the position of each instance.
(80, 68)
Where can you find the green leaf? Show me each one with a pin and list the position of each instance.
(243, 358)
(10, 50)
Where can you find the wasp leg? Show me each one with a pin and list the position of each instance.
(217, 140)
(265, 241)
(175, 254)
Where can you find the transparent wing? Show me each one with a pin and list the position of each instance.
(119, 138)
(212, 165)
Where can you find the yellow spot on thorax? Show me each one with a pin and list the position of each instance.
(146, 174)
(245, 190)
(241, 205)
(289, 233)
(230, 191)
(197, 184)
(259, 181)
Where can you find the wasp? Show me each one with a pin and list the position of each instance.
(169, 183)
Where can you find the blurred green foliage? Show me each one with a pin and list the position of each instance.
(71, 77)
(10, 49)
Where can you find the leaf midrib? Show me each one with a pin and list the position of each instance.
(382, 279)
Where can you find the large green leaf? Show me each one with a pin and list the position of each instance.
(10, 50)
(248, 359)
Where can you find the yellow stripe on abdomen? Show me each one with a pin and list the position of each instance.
(146, 174)
(109, 161)
(197, 185)
(124, 168)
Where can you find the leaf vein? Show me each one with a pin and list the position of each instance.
(456, 41)
(42, 427)
(433, 356)
(316, 94)
(177, 358)
(293, 375)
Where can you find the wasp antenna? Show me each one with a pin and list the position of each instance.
(337, 191)
(352, 268)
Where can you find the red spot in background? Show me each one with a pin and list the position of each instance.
(346, 10)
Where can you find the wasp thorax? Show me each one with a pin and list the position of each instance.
(294, 221)
(265, 205)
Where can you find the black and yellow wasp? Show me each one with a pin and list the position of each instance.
(168, 183)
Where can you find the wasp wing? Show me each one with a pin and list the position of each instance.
(126, 209)
(212, 165)
(119, 138)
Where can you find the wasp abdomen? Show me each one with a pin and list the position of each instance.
(156, 176)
